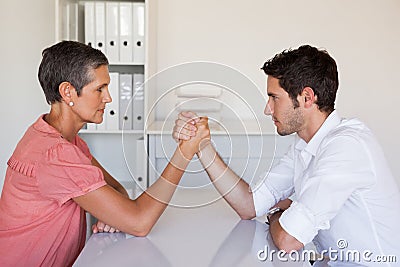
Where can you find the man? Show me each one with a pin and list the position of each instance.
(344, 195)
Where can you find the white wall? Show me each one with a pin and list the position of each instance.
(362, 35)
(26, 27)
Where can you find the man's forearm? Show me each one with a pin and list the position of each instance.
(281, 238)
(234, 189)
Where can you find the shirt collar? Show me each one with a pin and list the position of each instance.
(311, 147)
(42, 126)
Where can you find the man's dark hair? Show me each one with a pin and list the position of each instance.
(68, 61)
(306, 67)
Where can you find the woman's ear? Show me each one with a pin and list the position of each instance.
(65, 89)
(309, 97)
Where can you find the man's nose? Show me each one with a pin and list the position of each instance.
(268, 110)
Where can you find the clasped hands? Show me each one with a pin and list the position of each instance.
(191, 132)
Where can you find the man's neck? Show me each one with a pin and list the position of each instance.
(312, 125)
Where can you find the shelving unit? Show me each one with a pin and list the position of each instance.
(131, 154)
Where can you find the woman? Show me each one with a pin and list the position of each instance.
(52, 178)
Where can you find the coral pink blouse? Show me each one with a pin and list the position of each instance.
(40, 224)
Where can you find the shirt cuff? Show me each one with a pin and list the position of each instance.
(263, 199)
(299, 222)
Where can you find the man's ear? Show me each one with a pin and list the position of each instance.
(65, 89)
(309, 97)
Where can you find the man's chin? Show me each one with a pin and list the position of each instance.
(283, 133)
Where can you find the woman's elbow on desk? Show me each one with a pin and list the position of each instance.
(114, 209)
(137, 221)
(139, 233)
(134, 224)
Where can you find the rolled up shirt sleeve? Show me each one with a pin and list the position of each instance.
(263, 199)
(300, 222)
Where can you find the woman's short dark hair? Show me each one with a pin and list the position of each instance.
(68, 61)
(306, 67)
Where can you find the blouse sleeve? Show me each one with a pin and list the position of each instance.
(66, 172)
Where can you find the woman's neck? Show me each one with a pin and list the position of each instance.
(63, 122)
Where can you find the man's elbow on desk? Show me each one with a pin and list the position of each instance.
(246, 217)
(247, 214)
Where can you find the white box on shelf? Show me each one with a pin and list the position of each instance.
(202, 104)
(198, 90)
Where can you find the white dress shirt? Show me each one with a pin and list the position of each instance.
(345, 197)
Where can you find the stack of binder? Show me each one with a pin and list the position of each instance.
(204, 99)
(126, 111)
(117, 29)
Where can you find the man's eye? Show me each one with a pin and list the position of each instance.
(100, 89)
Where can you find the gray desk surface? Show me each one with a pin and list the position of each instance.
(207, 235)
